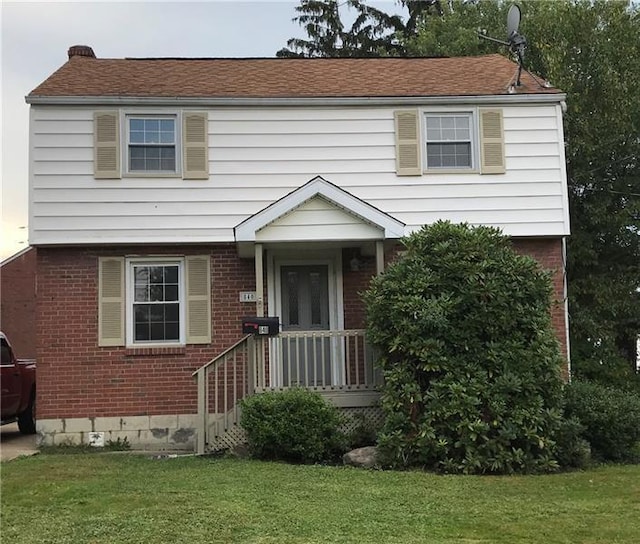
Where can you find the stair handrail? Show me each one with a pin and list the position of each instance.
(221, 355)
(202, 420)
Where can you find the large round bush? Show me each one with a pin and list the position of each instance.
(469, 356)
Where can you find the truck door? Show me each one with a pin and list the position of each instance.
(10, 382)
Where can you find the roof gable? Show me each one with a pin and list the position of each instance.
(321, 205)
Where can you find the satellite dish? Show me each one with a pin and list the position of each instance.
(516, 42)
(513, 21)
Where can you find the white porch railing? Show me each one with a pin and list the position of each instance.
(321, 360)
(338, 364)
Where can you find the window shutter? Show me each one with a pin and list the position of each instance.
(196, 146)
(407, 143)
(106, 149)
(111, 301)
(491, 142)
(198, 299)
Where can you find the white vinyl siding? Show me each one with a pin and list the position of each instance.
(317, 218)
(258, 155)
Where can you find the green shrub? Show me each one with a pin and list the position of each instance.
(572, 450)
(610, 417)
(469, 356)
(294, 425)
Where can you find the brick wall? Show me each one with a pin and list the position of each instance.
(18, 302)
(79, 379)
(547, 251)
(354, 283)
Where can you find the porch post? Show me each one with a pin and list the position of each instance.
(379, 257)
(202, 421)
(259, 282)
(251, 379)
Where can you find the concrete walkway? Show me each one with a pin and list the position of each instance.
(13, 444)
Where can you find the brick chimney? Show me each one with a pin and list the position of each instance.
(81, 51)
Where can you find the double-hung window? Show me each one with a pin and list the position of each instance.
(151, 144)
(441, 141)
(147, 144)
(449, 138)
(156, 302)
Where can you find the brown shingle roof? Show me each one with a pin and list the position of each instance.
(286, 78)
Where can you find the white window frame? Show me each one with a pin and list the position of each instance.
(474, 133)
(130, 292)
(133, 114)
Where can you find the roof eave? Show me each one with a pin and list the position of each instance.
(529, 98)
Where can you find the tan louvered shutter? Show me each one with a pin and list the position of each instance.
(111, 301)
(196, 146)
(491, 142)
(198, 299)
(408, 143)
(106, 140)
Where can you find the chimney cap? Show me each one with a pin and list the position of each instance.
(81, 51)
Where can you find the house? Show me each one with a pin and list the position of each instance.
(171, 198)
(18, 301)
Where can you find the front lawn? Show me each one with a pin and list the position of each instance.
(124, 498)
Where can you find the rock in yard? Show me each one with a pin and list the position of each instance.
(362, 457)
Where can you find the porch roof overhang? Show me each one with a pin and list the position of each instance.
(366, 221)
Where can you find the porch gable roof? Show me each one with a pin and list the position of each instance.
(319, 187)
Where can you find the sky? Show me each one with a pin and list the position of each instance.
(35, 37)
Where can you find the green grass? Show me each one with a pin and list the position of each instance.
(124, 498)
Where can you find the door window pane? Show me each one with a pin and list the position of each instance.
(292, 291)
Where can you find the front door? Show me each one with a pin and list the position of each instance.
(305, 307)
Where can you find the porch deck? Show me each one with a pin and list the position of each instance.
(337, 364)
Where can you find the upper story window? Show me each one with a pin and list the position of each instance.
(442, 141)
(151, 144)
(449, 140)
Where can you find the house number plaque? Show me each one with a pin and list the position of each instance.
(247, 296)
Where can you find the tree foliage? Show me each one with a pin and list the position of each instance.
(590, 50)
(373, 33)
(469, 355)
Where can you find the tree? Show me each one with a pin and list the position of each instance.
(590, 50)
(373, 33)
(470, 360)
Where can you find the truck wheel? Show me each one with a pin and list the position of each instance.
(27, 419)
